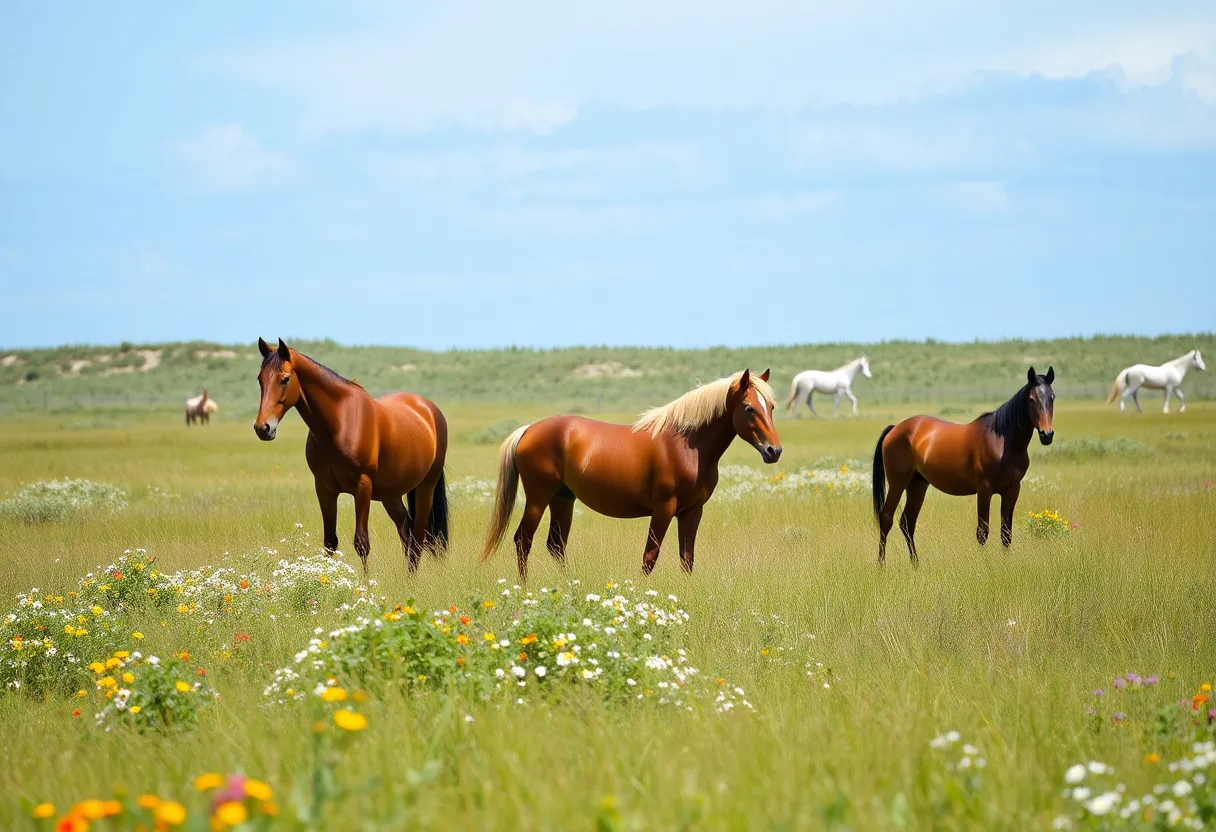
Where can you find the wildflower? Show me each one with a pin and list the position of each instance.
(136, 709)
(1206, 687)
(96, 610)
(464, 619)
(487, 604)
(128, 677)
(171, 813)
(208, 781)
(91, 809)
(1152, 757)
(257, 789)
(76, 713)
(269, 809)
(1198, 701)
(540, 671)
(1075, 774)
(349, 720)
(333, 694)
(44, 810)
(488, 636)
(148, 801)
(184, 687)
(461, 638)
(137, 634)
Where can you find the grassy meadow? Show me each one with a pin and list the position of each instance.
(851, 670)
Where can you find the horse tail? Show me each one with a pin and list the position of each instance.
(1119, 386)
(437, 523)
(880, 474)
(504, 494)
(789, 403)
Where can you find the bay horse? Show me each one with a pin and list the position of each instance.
(1167, 377)
(984, 457)
(664, 466)
(376, 449)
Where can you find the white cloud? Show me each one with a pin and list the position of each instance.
(534, 66)
(223, 157)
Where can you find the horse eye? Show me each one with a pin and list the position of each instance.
(748, 408)
(284, 379)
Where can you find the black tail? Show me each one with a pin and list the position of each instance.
(437, 522)
(880, 475)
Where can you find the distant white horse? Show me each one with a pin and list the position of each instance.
(201, 408)
(810, 382)
(1167, 377)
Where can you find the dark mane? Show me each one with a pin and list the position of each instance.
(1010, 418)
(273, 361)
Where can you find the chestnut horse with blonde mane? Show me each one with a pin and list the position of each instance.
(665, 466)
(376, 449)
(984, 457)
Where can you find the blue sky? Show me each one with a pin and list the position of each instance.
(543, 174)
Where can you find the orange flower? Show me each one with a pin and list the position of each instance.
(464, 619)
(1152, 757)
(461, 638)
(72, 823)
(243, 584)
(1198, 701)
(487, 604)
(452, 608)
(460, 661)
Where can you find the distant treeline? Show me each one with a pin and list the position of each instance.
(590, 378)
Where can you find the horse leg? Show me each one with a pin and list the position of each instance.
(836, 404)
(534, 510)
(917, 488)
(1009, 501)
(810, 401)
(1166, 409)
(1181, 398)
(561, 515)
(363, 504)
(659, 521)
(399, 514)
(687, 527)
(1136, 399)
(328, 500)
(849, 392)
(897, 481)
(983, 499)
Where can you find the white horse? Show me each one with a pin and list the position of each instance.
(201, 408)
(840, 380)
(1167, 377)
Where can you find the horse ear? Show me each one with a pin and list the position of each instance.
(764, 375)
(284, 351)
(745, 380)
(1051, 375)
(263, 347)
(1030, 375)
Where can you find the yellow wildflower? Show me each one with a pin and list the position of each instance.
(44, 810)
(136, 709)
(171, 812)
(349, 720)
(208, 781)
(333, 694)
(257, 789)
(137, 634)
(148, 801)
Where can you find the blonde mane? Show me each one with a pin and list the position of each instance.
(698, 407)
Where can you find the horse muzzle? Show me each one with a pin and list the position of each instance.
(1045, 436)
(769, 453)
(266, 431)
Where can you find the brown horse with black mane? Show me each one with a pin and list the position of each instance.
(665, 466)
(984, 457)
(376, 449)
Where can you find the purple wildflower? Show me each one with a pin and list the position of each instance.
(1118, 716)
(1098, 692)
(1211, 716)
(1119, 682)
(1151, 680)
(1091, 711)
(1133, 678)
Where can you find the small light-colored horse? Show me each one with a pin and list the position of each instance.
(1167, 377)
(809, 382)
(201, 408)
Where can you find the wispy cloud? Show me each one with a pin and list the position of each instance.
(224, 158)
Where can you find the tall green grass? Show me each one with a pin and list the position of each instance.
(1004, 646)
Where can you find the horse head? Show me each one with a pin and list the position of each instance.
(752, 417)
(1198, 360)
(280, 389)
(865, 367)
(1041, 403)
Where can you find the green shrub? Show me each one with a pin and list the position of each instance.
(53, 501)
